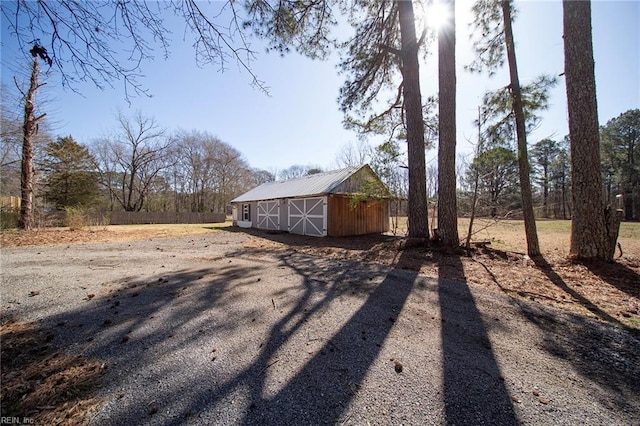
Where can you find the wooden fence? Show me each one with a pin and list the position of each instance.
(10, 203)
(131, 218)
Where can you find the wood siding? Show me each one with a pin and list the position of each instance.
(348, 217)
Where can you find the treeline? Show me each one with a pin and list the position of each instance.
(496, 169)
(145, 168)
(498, 192)
(494, 166)
(141, 167)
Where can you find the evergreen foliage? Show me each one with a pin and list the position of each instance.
(71, 174)
(620, 155)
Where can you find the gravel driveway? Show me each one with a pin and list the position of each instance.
(214, 330)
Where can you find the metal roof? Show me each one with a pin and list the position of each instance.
(306, 186)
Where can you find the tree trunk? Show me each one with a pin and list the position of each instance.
(545, 191)
(566, 207)
(476, 178)
(628, 204)
(29, 130)
(417, 215)
(533, 248)
(592, 233)
(447, 203)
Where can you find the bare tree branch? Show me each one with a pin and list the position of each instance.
(109, 41)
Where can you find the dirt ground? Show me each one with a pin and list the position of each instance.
(42, 383)
(607, 291)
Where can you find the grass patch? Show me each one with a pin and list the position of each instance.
(554, 235)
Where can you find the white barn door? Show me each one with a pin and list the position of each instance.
(308, 216)
(269, 215)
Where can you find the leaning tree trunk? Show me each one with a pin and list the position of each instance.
(476, 179)
(417, 215)
(447, 203)
(29, 130)
(533, 248)
(594, 229)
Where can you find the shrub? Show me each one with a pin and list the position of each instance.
(8, 219)
(76, 218)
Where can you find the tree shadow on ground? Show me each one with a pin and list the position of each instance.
(603, 351)
(474, 388)
(359, 242)
(617, 275)
(326, 384)
(167, 340)
(598, 351)
(138, 321)
(148, 328)
(320, 391)
(40, 383)
(557, 280)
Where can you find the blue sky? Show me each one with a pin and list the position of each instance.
(300, 122)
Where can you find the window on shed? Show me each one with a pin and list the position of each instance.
(246, 212)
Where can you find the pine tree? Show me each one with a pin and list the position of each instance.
(71, 174)
(384, 43)
(447, 202)
(620, 139)
(494, 19)
(543, 153)
(594, 228)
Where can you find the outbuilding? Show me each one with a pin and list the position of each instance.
(346, 202)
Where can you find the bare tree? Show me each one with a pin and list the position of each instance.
(475, 180)
(133, 159)
(192, 169)
(543, 153)
(298, 170)
(29, 131)
(354, 154)
(10, 149)
(107, 41)
(209, 171)
(261, 176)
(231, 175)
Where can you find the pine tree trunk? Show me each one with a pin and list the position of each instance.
(29, 130)
(533, 248)
(592, 228)
(545, 191)
(417, 215)
(447, 203)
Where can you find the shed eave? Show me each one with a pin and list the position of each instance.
(254, 200)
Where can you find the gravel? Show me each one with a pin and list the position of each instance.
(214, 330)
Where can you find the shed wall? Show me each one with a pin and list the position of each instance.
(365, 217)
(284, 215)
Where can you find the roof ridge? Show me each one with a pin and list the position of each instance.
(355, 168)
